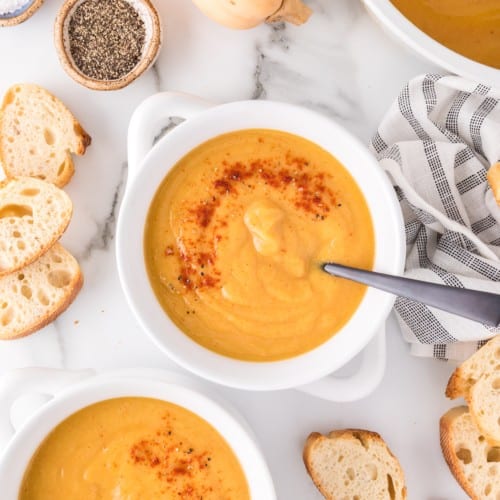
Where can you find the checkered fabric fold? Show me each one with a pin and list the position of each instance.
(437, 142)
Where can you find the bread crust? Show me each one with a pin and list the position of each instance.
(470, 377)
(312, 439)
(360, 434)
(455, 387)
(49, 318)
(67, 172)
(81, 137)
(48, 243)
(493, 177)
(448, 447)
(72, 290)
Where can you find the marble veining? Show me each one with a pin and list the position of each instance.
(259, 91)
(158, 84)
(291, 67)
(170, 125)
(105, 233)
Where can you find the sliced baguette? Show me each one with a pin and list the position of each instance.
(38, 134)
(34, 296)
(494, 180)
(471, 459)
(477, 380)
(353, 463)
(33, 216)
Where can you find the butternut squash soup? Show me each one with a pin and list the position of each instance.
(469, 27)
(134, 449)
(234, 238)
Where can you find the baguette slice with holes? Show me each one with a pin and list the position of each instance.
(34, 296)
(33, 216)
(353, 464)
(38, 134)
(471, 459)
(477, 380)
(494, 180)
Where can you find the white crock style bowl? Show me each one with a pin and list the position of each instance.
(147, 169)
(69, 391)
(406, 32)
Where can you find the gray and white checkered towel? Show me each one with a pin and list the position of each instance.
(437, 142)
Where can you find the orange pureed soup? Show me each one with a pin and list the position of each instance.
(469, 27)
(135, 449)
(234, 237)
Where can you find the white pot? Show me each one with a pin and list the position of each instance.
(147, 168)
(406, 32)
(69, 392)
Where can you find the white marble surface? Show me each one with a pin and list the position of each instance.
(341, 64)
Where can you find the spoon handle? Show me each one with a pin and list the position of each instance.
(472, 304)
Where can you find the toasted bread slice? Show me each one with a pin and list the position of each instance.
(494, 180)
(477, 380)
(471, 459)
(34, 296)
(33, 216)
(38, 134)
(353, 463)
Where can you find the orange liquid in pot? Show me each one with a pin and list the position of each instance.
(469, 27)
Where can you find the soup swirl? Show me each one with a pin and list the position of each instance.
(234, 238)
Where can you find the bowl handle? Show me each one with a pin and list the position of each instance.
(153, 115)
(42, 382)
(358, 385)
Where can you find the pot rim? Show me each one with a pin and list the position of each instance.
(408, 34)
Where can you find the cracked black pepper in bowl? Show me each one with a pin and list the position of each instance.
(106, 44)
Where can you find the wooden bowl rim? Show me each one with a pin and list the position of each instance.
(26, 14)
(145, 62)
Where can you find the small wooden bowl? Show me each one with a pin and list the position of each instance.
(152, 44)
(20, 15)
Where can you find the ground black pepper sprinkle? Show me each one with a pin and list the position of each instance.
(106, 38)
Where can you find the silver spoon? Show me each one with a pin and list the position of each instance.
(472, 304)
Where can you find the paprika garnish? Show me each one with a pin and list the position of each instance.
(249, 215)
(181, 467)
(302, 184)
